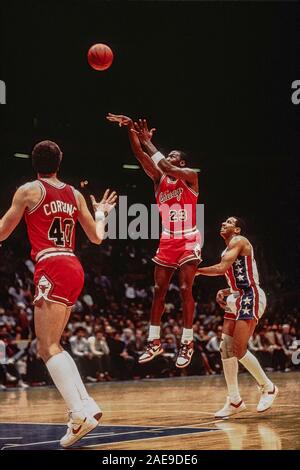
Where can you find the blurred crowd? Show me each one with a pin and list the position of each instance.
(108, 327)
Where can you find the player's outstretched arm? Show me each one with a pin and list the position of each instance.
(234, 248)
(187, 174)
(94, 228)
(143, 158)
(14, 214)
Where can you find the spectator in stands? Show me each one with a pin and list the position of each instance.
(170, 352)
(122, 362)
(81, 352)
(11, 365)
(213, 349)
(276, 347)
(290, 345)
(101, 361)
(127, 336)
(37, 373)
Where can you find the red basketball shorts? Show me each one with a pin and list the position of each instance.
(173, 252)
(58, 278)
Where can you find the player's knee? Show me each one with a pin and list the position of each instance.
(239, 349)
(185, 290)
(226, 346)
(46, 350)
(159, 291)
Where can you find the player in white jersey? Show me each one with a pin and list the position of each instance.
(244, 303)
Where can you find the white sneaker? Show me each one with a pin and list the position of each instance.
(267, 398)
(153, 349)
(230, 409)
(77, 428)
(185, 354)
(10, 378)
(22, 384)
(2, 387)
(91, 379)
(92, 409)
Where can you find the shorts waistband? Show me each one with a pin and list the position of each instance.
(55, 253)
(188, 231)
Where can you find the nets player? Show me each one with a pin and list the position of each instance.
(52, 209)
(176, 192)
(244, 303)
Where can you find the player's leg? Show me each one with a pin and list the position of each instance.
(234, 404)
(162, 278)
(88, 402)
(49, 320)
(186, 279)
(243, 331)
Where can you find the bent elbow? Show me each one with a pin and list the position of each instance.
(96, 241)
(3, 237)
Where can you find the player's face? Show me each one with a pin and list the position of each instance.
(228, 227)
(174, 158)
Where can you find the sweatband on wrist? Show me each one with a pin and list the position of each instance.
(99, 216)
(157, 157)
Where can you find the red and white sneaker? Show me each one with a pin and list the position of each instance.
(267, 398)
(230, 409)
(92, 409)
(77, 429)
(185, 354)
(153, 349)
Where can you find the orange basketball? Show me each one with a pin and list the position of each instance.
(100, 56)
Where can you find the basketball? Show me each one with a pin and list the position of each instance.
(100, 56)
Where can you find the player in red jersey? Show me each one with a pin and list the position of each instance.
(176, 191)
(52, 209)
(244, 303)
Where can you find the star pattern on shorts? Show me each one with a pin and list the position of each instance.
(237, 262)
(240, 277)
(245, 311)
(247, 301)
(239, 270)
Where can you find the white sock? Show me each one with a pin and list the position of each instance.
(77, 379)
(154, 332)
(60, 369)
(231, 368)
(252, 365)
(187, 335)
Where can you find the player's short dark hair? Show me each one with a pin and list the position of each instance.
(46, 157)
(240, 223)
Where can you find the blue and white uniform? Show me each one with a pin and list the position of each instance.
(246, 300)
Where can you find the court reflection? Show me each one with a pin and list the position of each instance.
(251, 435)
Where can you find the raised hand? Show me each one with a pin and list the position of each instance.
(107, 203)
(141, 129)
(120, 119)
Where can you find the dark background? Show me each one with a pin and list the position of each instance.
(213, 78)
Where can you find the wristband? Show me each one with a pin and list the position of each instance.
(157, 157)
(99, 216)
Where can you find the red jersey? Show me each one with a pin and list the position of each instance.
(177, 204)
(51, 222)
